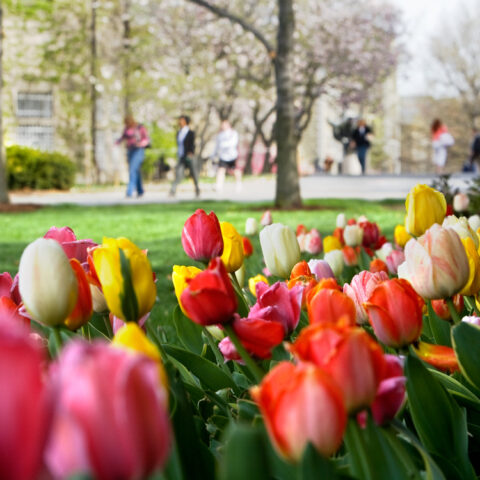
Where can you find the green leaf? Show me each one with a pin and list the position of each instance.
(440, 423)
(213, 377)
(461, 393)
(466, 343)
(245, 456)
(127, 296)
(188, 332)
(439, 328)
(314, 466)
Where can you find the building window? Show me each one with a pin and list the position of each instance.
(35, 136)
(34, 105)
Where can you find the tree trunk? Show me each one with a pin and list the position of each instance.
(3, 163)
(93, 90)
(247, 170)
(288, 185)
(267, 166)
(126, 59)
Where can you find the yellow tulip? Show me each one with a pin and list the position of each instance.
(401, 236)
(425, 206)
(331, 243)
(252, 282)
(180, 275)
(473, 285)
(232, 256)
(132, 337)
(126, 278)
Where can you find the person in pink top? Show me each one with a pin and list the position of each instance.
(442, 140)
(135, 136)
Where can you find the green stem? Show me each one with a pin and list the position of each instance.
(355, 444)
(58, 338)
(158, 343)
(239, 291)
(470, 301)
(218, 355)
(108, 326)
(453, 310)
(256, 371)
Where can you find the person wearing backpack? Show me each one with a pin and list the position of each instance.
(136, 138)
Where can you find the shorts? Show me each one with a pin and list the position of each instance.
(228, 165)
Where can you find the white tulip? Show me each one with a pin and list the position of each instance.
(353, 235)
(335, 259)
(462, 227)
(341, 220)
(251, 226)
(461, 202)
(383, 252)
(474, 222)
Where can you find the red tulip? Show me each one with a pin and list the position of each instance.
(330, 306)
(72, 247)
(11, 312)
(301, 230)
(111, 416)
(201, 236)
(83, 308)
(209, 297)
(247, 247)
(371, 235)
(25, 405)
(440, 306)
(301, 405)
(338, 233)
(395, 312)
(301, 269)
(349, 355)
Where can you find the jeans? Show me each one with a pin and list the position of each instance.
(135, 159)
(186, 162)
(362, 156)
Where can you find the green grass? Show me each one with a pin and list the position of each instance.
(158, 227)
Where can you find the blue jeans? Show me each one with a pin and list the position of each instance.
(135, 159)
(362, 156)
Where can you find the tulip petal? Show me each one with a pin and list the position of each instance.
(439, 356)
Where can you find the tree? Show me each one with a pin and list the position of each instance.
(3, 163)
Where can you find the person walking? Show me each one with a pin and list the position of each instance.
(226, 150)
(136, 138)
(474, 159)
(185, 155)
(442, 140)
(361, 141)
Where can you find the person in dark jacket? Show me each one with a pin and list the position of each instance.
(185, 155)
(361, 141)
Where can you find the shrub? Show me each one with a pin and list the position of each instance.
(30, 168)
(163, 144)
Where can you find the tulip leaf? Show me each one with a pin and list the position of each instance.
(461, 393)
(440, 423)
(313, 466)
(213, 377)
(439, 328)
(245, 454)
(466, 343)
(127, 295)
(188, 332)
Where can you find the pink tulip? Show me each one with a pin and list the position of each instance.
(266, 218)
(313, 242)
(360, 289)
(111, 418)
(5, 284)
(72, 247)
(25, 405)
(436, 263)
(321, 269)
(394, 260)
(278, 304)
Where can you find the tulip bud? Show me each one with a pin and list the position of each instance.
(313, 242)
(320, 268)
(378, 265)
(474, 222)
(247, 247)
(383, 252)
(266, 218)
(232, 255)
(401, 235)
(341, 220)
(251, 226)
(331, 243)
(461, 201)
(335, 259)
(83, 308)
(98, 299)
(252, 282)
(240, 275)
(462, 227)
(350, 256)
(280, 249)
(47, 283)
(394, 260)
(473, 284)
(353, 235)
(472, 320)
(425, 207)
(180, 277)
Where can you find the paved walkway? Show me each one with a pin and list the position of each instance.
(373, 187)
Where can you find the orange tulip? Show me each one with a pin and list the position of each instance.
(440, 307)
(439, 356)
(84, 307)
(301, 405)
(301, 269)
(247, 247)
(330, 306)
(353, 359)
(378, 265)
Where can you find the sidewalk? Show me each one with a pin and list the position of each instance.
(255, 189)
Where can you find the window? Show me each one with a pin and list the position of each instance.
(34, 105)
(35, 136)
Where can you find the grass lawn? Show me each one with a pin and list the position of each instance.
(158, 227)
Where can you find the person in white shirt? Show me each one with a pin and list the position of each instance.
(226, 150)
(442, 140)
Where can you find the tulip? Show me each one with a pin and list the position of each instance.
(321, 269)
(350, 256)
(83, 308)
(202, 237)
(341, 221)
(401, 235)
(111, 416)
(301, 269)
(474, 222)
(72, 247)
(383, 252)
(462, 227)
(47, 283)
(257, 335)
(371, 235)
(300, 405)
(473, 284)
(25, 404)
(302, 240)
(313, 242)
(251, 226)
(252, 282)
(331, 243)
(335, 260)
(247, 247)
(240, 275)
(338, 233)
(353, 235)
(360, 289)
(439, 356)
(180, 276)
(378, 265)
(395, 311)
(126, 278)
(10, 313)
(425, 206)
(301, 230)
(394, 260)
(209, 297)
(266, 218)
(99, 303)
(280, 249)
(329, 306)
(5, 284)
(436, 264)
(472, 320)
(461, 201)
(232, 255)
(349, 355)
(278, 304)
(441, 309)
